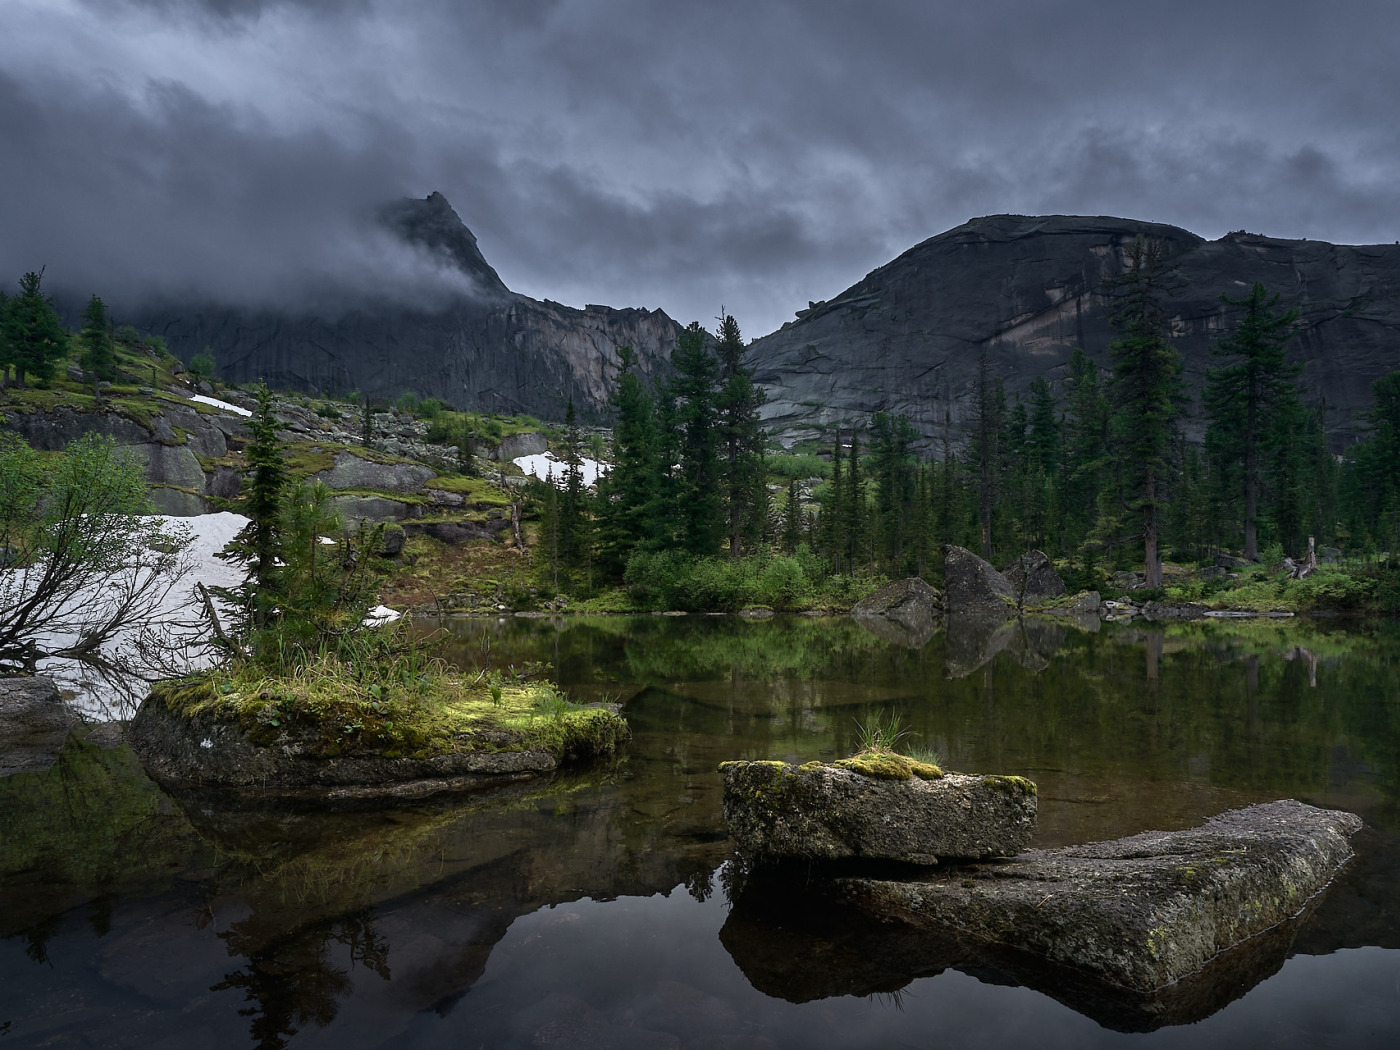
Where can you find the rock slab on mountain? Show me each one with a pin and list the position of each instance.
(1026, 290)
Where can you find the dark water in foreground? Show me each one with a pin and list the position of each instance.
(596, 911)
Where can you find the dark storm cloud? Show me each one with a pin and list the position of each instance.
(682, 155)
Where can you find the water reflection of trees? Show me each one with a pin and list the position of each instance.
(292, 982)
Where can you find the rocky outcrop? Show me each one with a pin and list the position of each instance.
(973, 588)
(1034, 580)
(1026, 290)
(492, 350)
(873, 807)
(34, 722)
(1138, 913)
(355, 472)
(1168, 612)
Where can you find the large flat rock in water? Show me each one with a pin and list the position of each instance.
(873, 807)
(1138, 913)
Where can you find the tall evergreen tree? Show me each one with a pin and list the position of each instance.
(853, 511)
(35, 336)
(736, 405)
(792, 518)
(99, 349)
(989, 408)
(626, 492)
(1146, 393)
(699, 508)
(896, 483)
(1252, 399)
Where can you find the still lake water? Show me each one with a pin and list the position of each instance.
(602, 909)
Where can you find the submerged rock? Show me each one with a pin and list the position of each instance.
(876, 807)
(1137, 913)
(34, 722)
(1034, 579)
(974, 588)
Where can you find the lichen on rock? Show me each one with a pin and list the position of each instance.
(875, 806)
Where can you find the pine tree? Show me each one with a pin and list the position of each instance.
(853, 512)
(625, 492)
(259, 545)
(989, 408)
(1146, 393)
(832, 511)
(736, 404)
(1252, 400)
(792, 518)
(99, 350)
(34, 335)
(896, 476)
(699, 508)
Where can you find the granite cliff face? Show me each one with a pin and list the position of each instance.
(1027, 290)
(493, 350)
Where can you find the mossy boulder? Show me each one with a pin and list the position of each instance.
(874, 806)
(350, 471)
(298, 737)
(34, 722)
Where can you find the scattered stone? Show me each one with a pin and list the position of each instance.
(76, 374)
(352, 472)
(1229, 561)
(355, 509)
(391, 540)
(455, 532)
(1329, 555)
(1033, 579)
(34, 722)
(875, 806)
(1166, 612)
(1211, 572)
(973, 587)
(1140, 912)
(1083, 603)
(1128, 581)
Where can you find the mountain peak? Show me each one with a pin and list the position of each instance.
(433, 223)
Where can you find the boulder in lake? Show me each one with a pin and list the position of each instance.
(34, 722)
(1137, 913)
(910, 602)
(876, 806)
(1033, 579)
(974, 588)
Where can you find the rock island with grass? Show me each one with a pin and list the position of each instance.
(329, 731)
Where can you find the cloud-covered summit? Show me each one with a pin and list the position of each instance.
(750, 156)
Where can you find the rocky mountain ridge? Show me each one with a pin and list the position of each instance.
(1026, 290)
(494, 350)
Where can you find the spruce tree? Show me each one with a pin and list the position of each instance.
(699, 508)
(626, 491)
(792, 518)
(736, 405)
(1146, 393)
(989, 410)
(1252, 400)
(99, 350)
(35, 336)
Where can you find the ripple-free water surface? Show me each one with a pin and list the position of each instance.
(595, 910)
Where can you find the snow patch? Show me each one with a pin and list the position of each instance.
(216, 403)
(545, 467)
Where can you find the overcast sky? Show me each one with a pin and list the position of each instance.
(684, 155)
